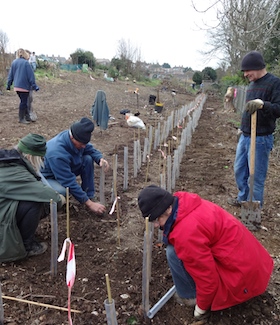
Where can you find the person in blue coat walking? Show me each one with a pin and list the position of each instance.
(23, 78)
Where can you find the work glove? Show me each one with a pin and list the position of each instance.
(254, 105)
(200, 314)
(37, 88)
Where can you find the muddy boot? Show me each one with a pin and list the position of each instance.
(21, 115)
(28, 118)
(28, 112)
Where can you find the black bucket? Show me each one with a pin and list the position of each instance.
(158, 107)
(152, 99)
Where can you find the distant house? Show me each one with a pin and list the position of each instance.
(157, 71)
(57, 59)
(105, 62)
(60, 59)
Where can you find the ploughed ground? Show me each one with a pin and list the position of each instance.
(113, 244)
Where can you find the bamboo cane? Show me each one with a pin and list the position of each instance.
(115, 161)
(67, 212)
(108, 289)
(1, 307)
(110, 305)
(54, 239)
(40, 304)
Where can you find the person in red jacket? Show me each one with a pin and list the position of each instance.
(215, 261)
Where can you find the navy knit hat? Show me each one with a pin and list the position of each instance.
(81, 131)
(252, 61)
(153, 201)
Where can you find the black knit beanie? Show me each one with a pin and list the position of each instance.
(81, 131)
(153, 201)
(252, 61)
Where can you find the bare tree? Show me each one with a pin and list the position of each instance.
(242, 26)
(125, 50)
(3, 42)
(130, 57)
(4, 58)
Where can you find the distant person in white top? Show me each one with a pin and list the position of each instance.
(32, 61)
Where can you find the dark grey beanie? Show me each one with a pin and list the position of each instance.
(252, 61)
(81, 131)
(153, 201)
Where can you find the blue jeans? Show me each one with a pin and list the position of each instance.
(33, 66)
(184, 283)
(264, 145)
(85, 170)
(54, 184)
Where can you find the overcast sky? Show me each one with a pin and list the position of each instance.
(163, 31)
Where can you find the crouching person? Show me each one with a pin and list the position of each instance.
(22, 198)
(215, 261)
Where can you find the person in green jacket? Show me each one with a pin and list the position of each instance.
(23, 197)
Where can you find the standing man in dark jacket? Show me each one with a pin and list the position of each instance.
(263, 97)
(69, 154)
(23, 78)
(22, 198)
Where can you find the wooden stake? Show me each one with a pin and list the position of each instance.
(108, 289)
(67, 213)
(116, 194)
(40, 304)
(147, 169)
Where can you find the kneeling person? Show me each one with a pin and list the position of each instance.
(215, 261)
(22, 198)
(70, 154)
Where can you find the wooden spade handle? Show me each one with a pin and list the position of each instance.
(252, 153)
(253, 142)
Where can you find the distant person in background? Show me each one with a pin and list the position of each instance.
(30, 114)
(23, 78)
(32, 61)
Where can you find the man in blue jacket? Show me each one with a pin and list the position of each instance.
(69, 154)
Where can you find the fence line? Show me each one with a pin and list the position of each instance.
(240, 99)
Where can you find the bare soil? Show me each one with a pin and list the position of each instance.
(106, 246)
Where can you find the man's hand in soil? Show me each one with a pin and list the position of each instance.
(95, 207)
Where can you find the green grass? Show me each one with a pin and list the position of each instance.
(237, 124)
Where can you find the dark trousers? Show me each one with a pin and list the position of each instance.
(23, 99)
(28, 216)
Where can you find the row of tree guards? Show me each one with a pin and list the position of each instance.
(171, 136)
(184, 122)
